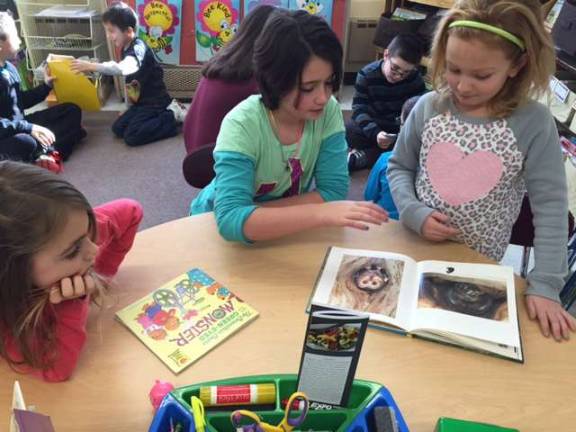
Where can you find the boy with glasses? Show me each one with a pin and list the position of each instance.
(381, 89)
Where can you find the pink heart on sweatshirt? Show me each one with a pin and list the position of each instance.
(460, 178)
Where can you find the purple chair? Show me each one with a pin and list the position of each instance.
(523, 233)
(198, 166)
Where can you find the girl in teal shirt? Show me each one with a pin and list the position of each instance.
(281, 156)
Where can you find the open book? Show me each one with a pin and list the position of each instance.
(468, 305)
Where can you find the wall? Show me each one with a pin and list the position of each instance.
(366, 8)
(188, 42)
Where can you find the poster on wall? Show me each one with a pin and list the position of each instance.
(314, 7)
(216, 24)
(249, 5)
(159, 26)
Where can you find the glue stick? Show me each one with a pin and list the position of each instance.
(247, 394)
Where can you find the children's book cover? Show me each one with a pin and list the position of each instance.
(187, 317)
(160, 26)
(216, 24)
(322, 8)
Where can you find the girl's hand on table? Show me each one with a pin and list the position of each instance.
(353, 214)
(551, 316)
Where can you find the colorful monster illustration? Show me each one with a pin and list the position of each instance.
(187, 291)
(155, 321)
(220, 291)
(219, 23)
(156, 332)
(167, 298)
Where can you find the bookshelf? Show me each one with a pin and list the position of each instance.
(70, 27)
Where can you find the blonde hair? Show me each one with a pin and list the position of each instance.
(34, 208)
(522, 18)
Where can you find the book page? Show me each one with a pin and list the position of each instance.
(473, 344)
(377, 283)
(474, 300)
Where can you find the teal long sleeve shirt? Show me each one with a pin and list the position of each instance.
(231, 194)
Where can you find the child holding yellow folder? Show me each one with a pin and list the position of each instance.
(33, 137)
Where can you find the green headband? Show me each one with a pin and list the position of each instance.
(490, 28)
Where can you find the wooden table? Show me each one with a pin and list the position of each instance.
(109, 390)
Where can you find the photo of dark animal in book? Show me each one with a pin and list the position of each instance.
(469, 296)
(368, 284)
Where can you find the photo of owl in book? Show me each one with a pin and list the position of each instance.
(469, 296)
(367, 284)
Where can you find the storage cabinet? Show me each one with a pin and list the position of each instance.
(73, 28)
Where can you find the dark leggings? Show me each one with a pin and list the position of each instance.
(20, 147)
(65, 122)
(357, 140)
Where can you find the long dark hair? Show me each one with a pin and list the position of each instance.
(234, 61)
(33, 209)
(285, 46)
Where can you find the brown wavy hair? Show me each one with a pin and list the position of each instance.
(523, 18)
(285, 45)
(34, 208)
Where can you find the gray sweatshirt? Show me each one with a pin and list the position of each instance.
(476, 171)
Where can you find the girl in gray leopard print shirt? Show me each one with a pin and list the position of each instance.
(472, 149)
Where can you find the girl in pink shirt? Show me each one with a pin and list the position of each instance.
(56, 256)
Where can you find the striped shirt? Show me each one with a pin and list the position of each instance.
(377, 103)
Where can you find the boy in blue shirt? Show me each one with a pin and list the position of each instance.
(33, 137)
(381, 89)
(152, 116)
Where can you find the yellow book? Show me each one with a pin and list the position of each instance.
(184, 319)
(72, 87)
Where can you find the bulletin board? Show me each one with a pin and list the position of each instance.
(181, 31)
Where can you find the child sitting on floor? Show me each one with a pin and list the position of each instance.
(381, 89)
(152, 116)
(45, 137)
